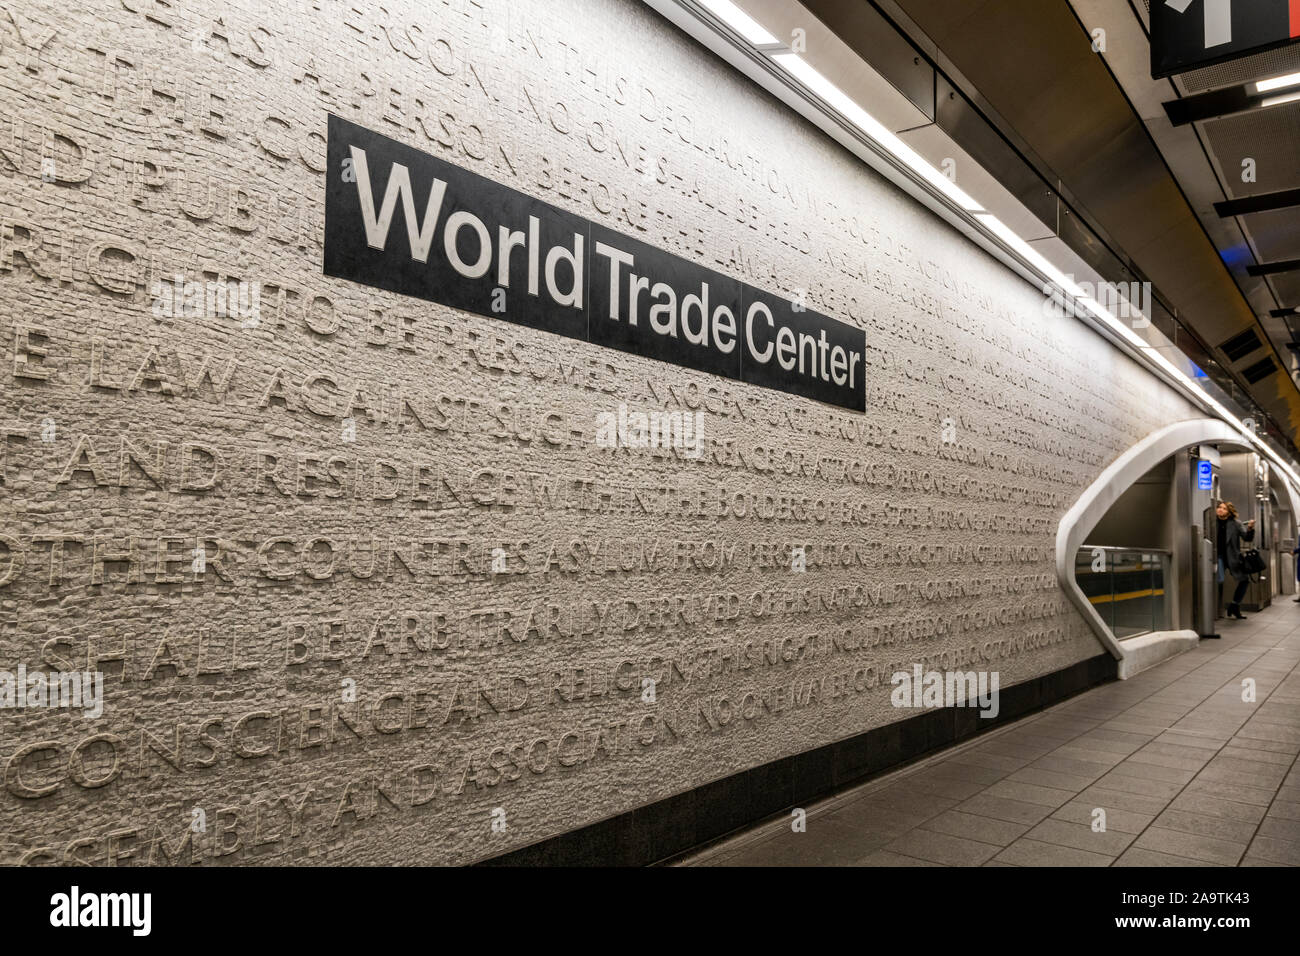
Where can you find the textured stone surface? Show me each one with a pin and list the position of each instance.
(186, 144)
(1185, 828)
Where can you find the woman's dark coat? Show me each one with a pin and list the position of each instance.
(1236, 533)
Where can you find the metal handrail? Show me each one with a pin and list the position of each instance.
(1116, 547)
(1154, 614)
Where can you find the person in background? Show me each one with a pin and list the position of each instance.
(1231, 533)
(1296, 551)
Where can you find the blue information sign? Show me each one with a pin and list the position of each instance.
(1204, 475)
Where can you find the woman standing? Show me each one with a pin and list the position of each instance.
(1231, 534)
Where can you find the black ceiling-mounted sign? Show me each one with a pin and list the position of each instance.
(402, 220)
(1186, 34)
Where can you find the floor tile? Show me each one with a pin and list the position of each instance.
(1081, 836)
(974, 827)
(1035, 853)
(1186, 773)
(942, 848)
(1191, 845)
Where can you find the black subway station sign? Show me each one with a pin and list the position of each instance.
(1186, 34)
(402, 220)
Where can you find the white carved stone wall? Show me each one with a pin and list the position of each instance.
(187, 138)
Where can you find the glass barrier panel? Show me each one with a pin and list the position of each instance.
(1131, 589)
(1159, 606)
(1125, 586)
(1092, 572)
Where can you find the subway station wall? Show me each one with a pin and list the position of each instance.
(363, 581)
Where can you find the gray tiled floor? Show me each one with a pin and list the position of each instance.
(1187, 773)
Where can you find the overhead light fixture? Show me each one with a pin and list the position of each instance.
(1230, 100)
(745, 26)
(1032, 255)
(1064, 282)
(1152, 353)
(1122, 329)
(1277, 83)
(836, 98)
(740, 21)
(845, 105)
(1279, 100)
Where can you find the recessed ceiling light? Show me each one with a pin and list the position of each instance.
(743, 24)
(847, 107)
(1279, 100)
(740, 21)
(1277, 83)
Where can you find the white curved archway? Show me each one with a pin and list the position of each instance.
(1093, 504)
(1293, 496)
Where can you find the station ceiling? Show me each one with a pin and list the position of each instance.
(1149, 181)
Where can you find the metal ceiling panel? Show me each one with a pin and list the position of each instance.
(1274, 234)
(1033, 62)
(870, 36)
(1287, 286)
(1270, 137)
(1268, 63)
(957, 117)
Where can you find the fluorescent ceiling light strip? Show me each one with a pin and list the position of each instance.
(1009, 236)
(1124, 330)
(1276, 459)
(847, 107)
(1153, 354)
(833, 96)
(836, 98)
(1249, 437)
(740, 21)
(1159, 358)
(1277, 83)
(1067, 284)
(1200, 395)
(1279, 100)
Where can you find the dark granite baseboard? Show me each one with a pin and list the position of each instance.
(668, 828)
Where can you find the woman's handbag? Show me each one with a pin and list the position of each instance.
(1252, 562)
